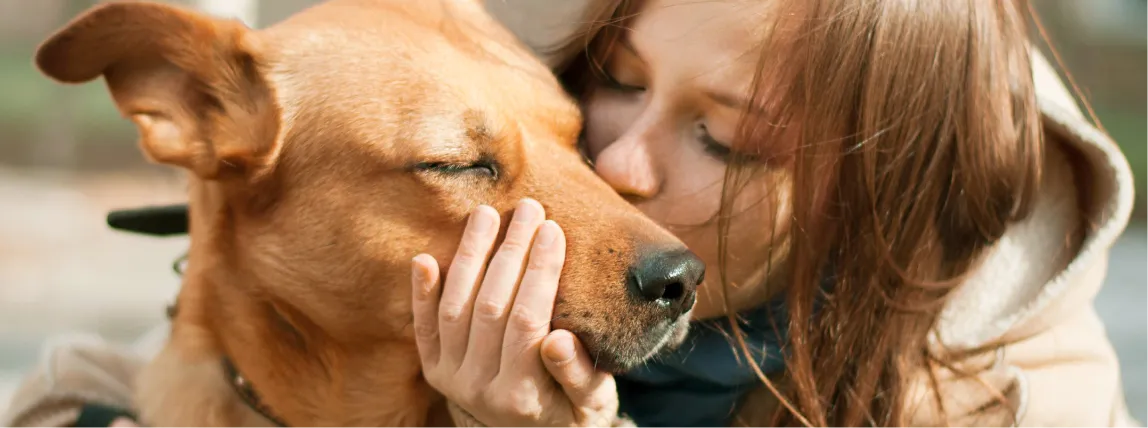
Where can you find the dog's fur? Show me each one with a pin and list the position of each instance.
(326, 151)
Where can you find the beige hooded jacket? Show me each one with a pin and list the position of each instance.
(1035, 292)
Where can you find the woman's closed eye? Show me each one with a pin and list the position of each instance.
(719, 150)
(710, 144)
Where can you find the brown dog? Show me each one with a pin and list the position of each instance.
(324, 153)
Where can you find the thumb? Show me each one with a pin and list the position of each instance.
(589, 390)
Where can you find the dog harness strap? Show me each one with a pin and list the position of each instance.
(247, 392)
(99, 415)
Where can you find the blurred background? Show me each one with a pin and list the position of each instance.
(66, 158)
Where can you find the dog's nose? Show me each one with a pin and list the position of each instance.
(668, 278)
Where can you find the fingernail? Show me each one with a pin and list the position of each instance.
(561, 351)
(525, 212)
(547, 233)
(480, 221)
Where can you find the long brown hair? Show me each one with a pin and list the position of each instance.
(918, 141)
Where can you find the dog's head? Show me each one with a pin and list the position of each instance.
(328, 150)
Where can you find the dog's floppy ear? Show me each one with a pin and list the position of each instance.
(191, 83)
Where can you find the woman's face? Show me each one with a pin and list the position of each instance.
(659, 127)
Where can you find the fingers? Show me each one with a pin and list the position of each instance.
(457, 300)
(568, 362)
(496, 294)
(482, 347)
(425, 291)
(529, 318)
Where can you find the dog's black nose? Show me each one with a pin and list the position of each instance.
(668, 278)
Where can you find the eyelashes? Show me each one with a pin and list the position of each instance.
(483, 167)
(712, 146)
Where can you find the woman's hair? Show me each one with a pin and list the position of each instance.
(916, 141)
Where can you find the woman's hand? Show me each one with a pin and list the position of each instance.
(488, 348)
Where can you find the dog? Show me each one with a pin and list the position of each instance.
(323, 153)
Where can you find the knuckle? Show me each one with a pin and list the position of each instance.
(426, 331)
(451, 313)
(470, 395)
(544, 261)
(489, 310)
(506, 259)
(526, 319)
(525, 412)
(512, 246)
(600, 404)
(518, 399)
(471, 250)
(468, 252)
(493, 399)
(523, 403)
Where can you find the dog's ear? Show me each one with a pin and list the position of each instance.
(191, 83)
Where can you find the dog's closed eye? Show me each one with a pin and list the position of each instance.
(486, 168)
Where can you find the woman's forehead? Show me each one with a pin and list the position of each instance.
(724, 22)
(716, 42)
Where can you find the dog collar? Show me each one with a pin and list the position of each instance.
(172, 220)
(247, 392)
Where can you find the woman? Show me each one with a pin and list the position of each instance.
(904, 216)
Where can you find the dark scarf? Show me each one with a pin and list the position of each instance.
(702, 382)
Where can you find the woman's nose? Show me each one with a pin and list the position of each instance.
(628, 166)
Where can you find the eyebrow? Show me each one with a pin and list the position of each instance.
(728, 100)
(723, 98)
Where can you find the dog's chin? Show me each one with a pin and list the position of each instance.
(620, 357)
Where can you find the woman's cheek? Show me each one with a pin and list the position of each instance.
(692, 186)
(759, 211)
(690, 199)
